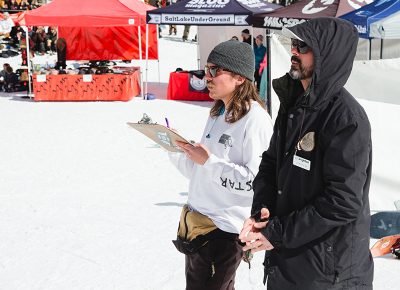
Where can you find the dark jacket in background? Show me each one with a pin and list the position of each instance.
(320, 217)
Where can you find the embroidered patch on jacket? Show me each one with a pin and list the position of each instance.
(226, 140)
(307, 143)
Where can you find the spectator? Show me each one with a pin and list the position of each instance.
(221, 169)
(246, 36)
(259, 53)
(51, 39)
(235, 38)
(3, 76)
(10, 79)
(13, 5)
(313, 181)
(24, 5)
(40, 40)
(186, 32)
(6, 25)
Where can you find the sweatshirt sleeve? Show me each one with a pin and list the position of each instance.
(182, 163)
(238, 178)
(346, 162)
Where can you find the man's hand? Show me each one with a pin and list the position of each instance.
(251, 235)
(198, 153)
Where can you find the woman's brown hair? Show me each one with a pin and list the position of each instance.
(240, 103)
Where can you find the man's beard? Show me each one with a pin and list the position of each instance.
(300, 73)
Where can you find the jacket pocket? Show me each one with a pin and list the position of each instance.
(329, 257)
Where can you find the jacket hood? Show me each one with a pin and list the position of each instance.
(334, 44)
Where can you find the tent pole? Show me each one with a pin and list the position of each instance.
(381, 48)
(140, 58)
(268, 97)
(252, 36)
(147, 55)
(198, 49)
(370, 48)
(28, 61)
(158, 57)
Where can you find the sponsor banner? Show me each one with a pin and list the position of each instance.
(198, 19)
(361, 28)
(315, 6)
(207, 4)
(280, 22)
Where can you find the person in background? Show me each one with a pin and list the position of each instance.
(259, 53)
(3, 73)
(186, 31)
(6, 25)
(24, 5)
(13, 5)
(246, 36)
(10, 79)
(40, 40)
(221, 169)
(51, 38)
(235, 38)
(313, 181)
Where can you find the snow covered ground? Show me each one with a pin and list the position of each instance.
(88, 203)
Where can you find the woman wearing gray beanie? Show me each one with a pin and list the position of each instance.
(221, 169)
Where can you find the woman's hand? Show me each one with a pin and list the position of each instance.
(198, 153)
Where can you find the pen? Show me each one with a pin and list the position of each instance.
(166, 121)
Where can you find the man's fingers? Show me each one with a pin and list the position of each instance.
(264, 213)
(260, 225)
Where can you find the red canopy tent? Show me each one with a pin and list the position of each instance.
(99, 29)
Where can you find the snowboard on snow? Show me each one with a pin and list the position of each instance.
(386, 245)
(385, 223)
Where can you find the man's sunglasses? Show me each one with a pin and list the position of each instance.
(213, 70)
(300, 46)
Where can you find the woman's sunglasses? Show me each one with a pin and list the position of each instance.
(300, 46)
(213, 70)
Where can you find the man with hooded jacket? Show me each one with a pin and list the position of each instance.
(313, 181)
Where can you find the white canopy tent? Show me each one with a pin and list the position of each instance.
(387, 28)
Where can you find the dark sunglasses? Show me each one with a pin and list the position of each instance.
(300, 46)
(213, 70)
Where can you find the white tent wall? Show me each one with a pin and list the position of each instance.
(391, 49)
(388, 28)
(382, 77)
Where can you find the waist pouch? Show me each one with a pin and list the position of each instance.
(195, 230)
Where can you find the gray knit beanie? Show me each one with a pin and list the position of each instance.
(235, 56)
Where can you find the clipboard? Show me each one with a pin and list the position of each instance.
(160, 134)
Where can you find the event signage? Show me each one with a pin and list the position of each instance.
(198, 19)
(278, 22)
(210, 12)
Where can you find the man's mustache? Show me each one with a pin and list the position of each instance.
(295, 59)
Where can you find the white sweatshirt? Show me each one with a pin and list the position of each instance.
(222, 188)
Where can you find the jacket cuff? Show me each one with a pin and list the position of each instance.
(273, 232)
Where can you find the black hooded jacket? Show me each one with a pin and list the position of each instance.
(320, 216)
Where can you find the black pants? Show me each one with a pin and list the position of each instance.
(214, 266)
(257, 79)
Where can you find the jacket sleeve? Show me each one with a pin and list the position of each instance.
(238, 178)
(264, 184)
(182, 163)
(345, 166)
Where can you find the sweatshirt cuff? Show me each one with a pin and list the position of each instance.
(211, 161)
